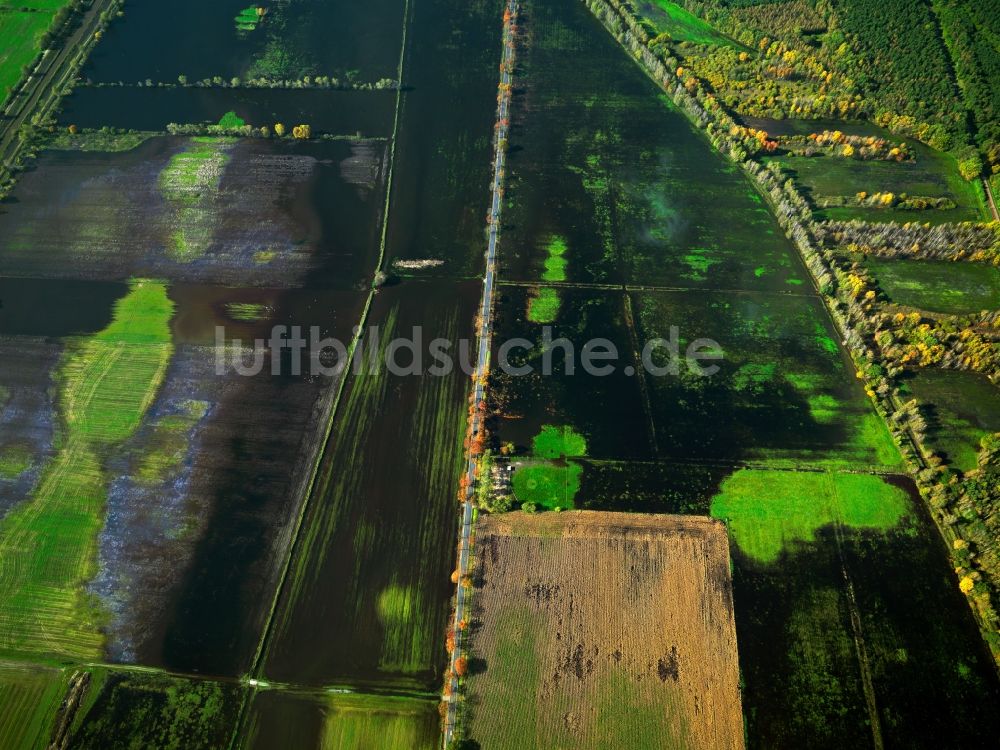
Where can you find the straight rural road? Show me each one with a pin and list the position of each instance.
(482, 362)
(990, 199)
(50, 74)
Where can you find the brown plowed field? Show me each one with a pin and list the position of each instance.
(598, 630)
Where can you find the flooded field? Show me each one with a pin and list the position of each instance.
(365, 602)
(962, 409)
(163, 491)
(196, 483)
(606, 173)
(441, 176)
(180, 485)
(211, 210)
(193, 559)
(524, 403)
(372, 565)
(292, 39)
(784, 392)
(628, 195)
(938, 286)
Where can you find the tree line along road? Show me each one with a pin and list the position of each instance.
(47, 79)
(482, 362)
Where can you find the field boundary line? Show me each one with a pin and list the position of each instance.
(990, 199)
(640, 372)
(628, 287)
(860, 648)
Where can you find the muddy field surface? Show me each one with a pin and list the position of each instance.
(211, 210)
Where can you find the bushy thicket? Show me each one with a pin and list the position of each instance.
(972, 33)
(901, 59)
(883, 60)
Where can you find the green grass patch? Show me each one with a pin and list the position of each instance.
(398, 609)
(770, 511)
(190, 183)
(106, 383)
(554, 483)
(512, 679)
(543, 307)
(110, 378)
(29, 699)
(549, 486)
(963, 407)
(558, 442)
(19, 44)
(873, 433)
(355, 721)
(195, 170)
(231, 121)
(555, 269)
(247, 19)
(169, 443)
(699, 262)
(249, 312)
(939, 286)
(682, 25)
(555, 262)
(14, 461)
(360, 722)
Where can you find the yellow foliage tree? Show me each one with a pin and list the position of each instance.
(302, 132)
(966, 584)
(279, 129)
